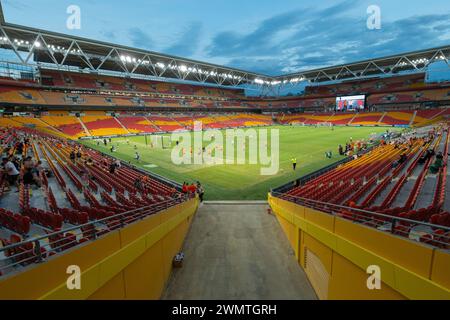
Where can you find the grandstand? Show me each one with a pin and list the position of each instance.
(83, 181)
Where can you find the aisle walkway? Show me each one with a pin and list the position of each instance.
(237, 251)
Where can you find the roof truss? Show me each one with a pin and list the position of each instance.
(37, 47)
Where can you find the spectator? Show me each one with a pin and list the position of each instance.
(200, 191)
(85, 180)
(112, 168)
(27, 174)
(79, 154)
(138, 184)
(89, 162)
(11, 172)
(192, 188)
(16, 162)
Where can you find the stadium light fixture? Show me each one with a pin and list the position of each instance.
(183, 68)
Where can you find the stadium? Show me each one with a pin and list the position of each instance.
(139, 175)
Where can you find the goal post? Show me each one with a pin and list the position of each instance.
(325, 124)
(156, 141)
(166, 142)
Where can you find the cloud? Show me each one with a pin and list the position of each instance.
(16, 4)
(139, 38)
(109, 35)
(310, 38)
(187, 44)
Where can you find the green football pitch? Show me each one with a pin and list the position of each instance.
(242, 181)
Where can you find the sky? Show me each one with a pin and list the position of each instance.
(271, 37)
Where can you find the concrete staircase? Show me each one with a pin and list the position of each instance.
(382, 117)
(86, 130)
(350, 122)
(158, 129)
(121, 124)
(413, 118)
(181, 125)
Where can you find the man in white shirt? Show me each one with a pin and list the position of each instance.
(11, 172)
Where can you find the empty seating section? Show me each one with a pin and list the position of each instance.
(67, 202)
(96, 123)
(138, 124)
(9, 94)
(395, 179)
(363, 119)
(87, 81)
(397, 118)
(65, 123)
(390, 118)
(101, 125)
(428, 116)
(166, 123)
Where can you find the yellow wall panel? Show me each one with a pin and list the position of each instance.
(440, 272)
(320, 250)
(42, 278)
(135, 230)
(291, 233)
(172, 244)
(144, 277)
(409, 269)
(320, 218)
(114, 289)
(145, 247)
(412, 255)
(348, 281)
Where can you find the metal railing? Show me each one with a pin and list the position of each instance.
(129, 165)
(33, 250)
(434, 235)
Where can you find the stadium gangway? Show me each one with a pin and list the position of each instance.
(382, 222)
(36, 252)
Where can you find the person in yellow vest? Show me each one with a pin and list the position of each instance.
(294, 163)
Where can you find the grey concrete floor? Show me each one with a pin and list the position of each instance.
(237, 251)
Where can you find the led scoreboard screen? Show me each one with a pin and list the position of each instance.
(350, 103)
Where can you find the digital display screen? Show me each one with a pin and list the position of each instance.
(350, 103)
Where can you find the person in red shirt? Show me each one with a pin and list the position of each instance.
(192, 188)
(184, 188)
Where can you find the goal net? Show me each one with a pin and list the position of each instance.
(166, 142)
(155, 141)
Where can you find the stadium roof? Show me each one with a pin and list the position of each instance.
(65, 52)
(411, 61)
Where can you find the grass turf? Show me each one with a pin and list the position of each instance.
(244, 182)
